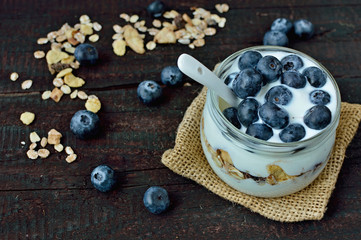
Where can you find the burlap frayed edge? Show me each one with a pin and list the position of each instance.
(187, 159)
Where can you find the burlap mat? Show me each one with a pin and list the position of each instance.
(188, 160)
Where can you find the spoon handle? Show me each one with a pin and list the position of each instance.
(198, 72)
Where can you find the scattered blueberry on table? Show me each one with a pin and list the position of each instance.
(149, 92)
(156, 9)
(103, 178)
(84, 124)
(171, 76)
(156, 200)
(86, 54)
(304, 29)
(282, 25)
(275, 38)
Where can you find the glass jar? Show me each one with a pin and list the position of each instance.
(257, 167)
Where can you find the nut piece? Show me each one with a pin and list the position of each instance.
(97, 27)
(46, 95)
(124, 16)
(26, 84)
(32, 154)
(44, 141)
(166, 35)
(56, 94)
(59, 147)
(58, 82)
(93, 105)
(54, 137)
(71, 158)
(32, 146)
(65, 89)
(151, 45)
(43, 153)
(41, 41)
(82, 95)
(39, 54)
(64, 72)
(94, 38)
(119, 47)
(27, 117)
(34, 137)
(133, 39)
(14, 76)
(74, 94)
(134, 18)
(69, 150)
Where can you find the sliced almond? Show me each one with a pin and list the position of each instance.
(133, 39)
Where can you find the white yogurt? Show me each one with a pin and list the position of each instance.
(268, 168)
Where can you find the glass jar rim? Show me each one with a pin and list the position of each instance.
(239, 134)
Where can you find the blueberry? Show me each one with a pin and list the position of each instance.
(247, 111)
(84, 124)
(320, 97)
(156, 9)
(303, 28)
(171, 76)
(317, 117)
(260, 131)
(231, 115)
(282, 24)
(291, 62)
(86, 54)
(315, 76)
(292, 133)
(279, 95)
(247, 83)
(273, 115)
(270, 68)
(249, 59)
(275, 38)
(156, 200)
(103, 178)
(229, 79)
(149, 92)
(293, 79)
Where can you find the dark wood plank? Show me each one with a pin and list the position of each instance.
(50, 199)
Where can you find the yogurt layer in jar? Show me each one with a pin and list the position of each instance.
(269, 168)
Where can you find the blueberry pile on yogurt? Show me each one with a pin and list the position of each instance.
(284, 97)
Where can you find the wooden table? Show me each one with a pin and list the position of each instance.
(51, 199)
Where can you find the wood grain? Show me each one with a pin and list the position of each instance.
(50, 199)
